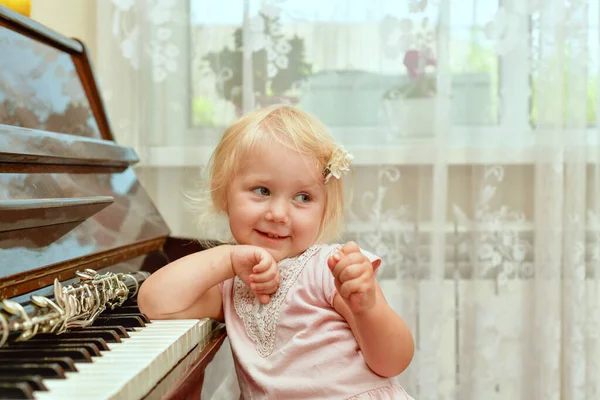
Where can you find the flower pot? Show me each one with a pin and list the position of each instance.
(411, 118)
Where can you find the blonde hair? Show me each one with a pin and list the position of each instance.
(289, 127)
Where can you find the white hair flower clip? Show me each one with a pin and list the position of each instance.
(338, 164)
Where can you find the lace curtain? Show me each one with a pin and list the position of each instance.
(474, 126)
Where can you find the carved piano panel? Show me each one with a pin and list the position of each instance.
(78, 234)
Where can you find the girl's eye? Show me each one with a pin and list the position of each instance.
(303, 198)
(263, 191)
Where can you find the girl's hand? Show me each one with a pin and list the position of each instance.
(354, 279)
(257, 269)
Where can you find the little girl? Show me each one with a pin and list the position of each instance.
(305, 320)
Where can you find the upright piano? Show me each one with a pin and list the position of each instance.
(78, 235)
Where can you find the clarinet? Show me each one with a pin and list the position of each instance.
(73, 306)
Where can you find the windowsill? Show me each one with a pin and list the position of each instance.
(464, 145)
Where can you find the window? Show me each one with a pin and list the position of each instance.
(551, 49)
(347, 64)
(474, 62)
(473, 76)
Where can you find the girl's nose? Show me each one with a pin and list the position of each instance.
(278, 211)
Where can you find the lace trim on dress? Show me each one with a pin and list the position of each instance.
(260, 320)
(391, 391)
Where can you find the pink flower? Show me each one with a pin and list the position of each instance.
(414, 65)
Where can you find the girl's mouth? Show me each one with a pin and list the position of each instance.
(271, 236)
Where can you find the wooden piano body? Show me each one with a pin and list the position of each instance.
(70, 199)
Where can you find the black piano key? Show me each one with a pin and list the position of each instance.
(98, 342)
(75, 353)
(13, 391)
(125, 321)
(130, 302)
(143, 317)
(123, 310)
(66, 363)
(90, 347)
(48, 371)
(34, 381)
(109, 336)
(119, 330)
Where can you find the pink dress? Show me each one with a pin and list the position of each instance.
(298, 346)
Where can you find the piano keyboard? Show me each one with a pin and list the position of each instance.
(119, 368)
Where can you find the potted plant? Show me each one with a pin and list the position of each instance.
(278, 64)
(410, 107)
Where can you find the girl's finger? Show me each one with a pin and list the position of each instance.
(349, 287)
(262, 266)
(350, 248)
(264, 287)
(351, 272)
(266, 276)
(345, 262)
(264, 298)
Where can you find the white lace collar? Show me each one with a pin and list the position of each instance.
(260, 320)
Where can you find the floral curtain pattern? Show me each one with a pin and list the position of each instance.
(474, 126)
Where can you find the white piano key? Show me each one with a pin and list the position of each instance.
(131, 368)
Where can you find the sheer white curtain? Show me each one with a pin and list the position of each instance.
(474, 125)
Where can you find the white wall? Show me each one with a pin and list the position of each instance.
(72, 18)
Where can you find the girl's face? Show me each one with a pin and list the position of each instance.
(276, 201)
